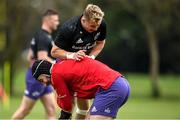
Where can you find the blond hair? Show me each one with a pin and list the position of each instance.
(93, 13)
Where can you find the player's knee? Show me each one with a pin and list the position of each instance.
(81, 112)
(25, 110)
(82, 107)
(51, 110)
(20, 113)
(83, 104)
(85, 107)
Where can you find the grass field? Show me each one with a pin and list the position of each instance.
(140, 105)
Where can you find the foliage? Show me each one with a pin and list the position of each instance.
(126, 48)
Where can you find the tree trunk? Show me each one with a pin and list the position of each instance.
(154, 59)
(8, 39)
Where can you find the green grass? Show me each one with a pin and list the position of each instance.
(36, 113)
(148, 108)
(140, 105)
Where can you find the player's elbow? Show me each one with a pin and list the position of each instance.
(55, 52)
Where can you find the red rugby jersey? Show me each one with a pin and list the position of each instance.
(81, 79)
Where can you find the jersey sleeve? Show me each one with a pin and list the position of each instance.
(63, 37)
(103, 33)
(43, 43)
(64, 97)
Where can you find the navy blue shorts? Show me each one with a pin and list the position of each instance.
(107, 102)
(35, 89)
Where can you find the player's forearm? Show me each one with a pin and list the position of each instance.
(46, 58)
(98, 48)
(57, 52)
(29, 55)
(43, 55)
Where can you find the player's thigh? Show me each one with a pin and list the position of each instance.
(100, 117)
(82, 104)
(27, 103)
(49, 101)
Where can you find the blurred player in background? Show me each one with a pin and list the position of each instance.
(40, 48)
(80, 36)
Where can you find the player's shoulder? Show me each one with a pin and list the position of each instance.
(72, 21)
(71, 24)
(42, 35)
(43, 32)
(39, 33)
(103, 23)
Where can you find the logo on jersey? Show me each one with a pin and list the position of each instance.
(86, 47)
(79, 41)
(36, 93)
(33, 41)
(49, 36)
(107, 110)
(94, 109)
(96, 36)
(26, 92)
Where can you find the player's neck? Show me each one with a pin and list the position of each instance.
(46, 28)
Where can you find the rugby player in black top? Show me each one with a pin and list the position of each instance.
(41, 46)
(78, 37)
(73, 37)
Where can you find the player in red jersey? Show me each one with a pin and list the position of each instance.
(84, 79)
